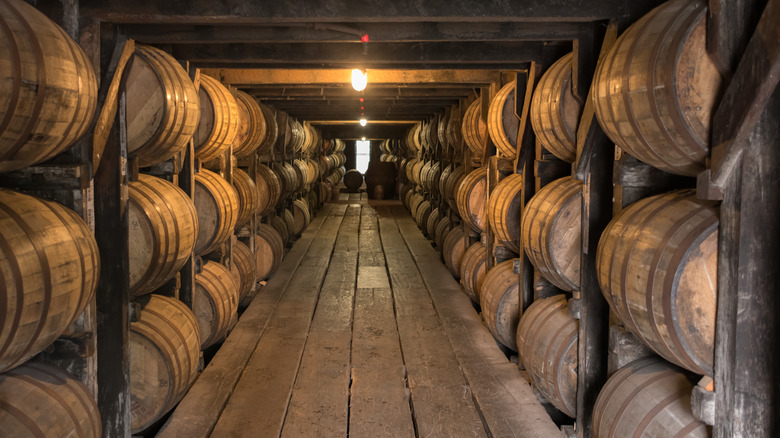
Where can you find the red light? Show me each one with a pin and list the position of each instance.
(362, 114)
(361, 99)
(364, 38)
(361, 107)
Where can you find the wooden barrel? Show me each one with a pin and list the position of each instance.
(433, 222)
(551, 227)
(302, 170)
(269, 189)
(271, 131)
(474, 130)
(248, 196)
(655, 92)
(289, 219)
(286, 180)
(421, 216)
(414, 203)
(215, 302)
(504, 210)
(313, 172)
(502, 123)
(410, 169)
(547, 344)
(453, 248)
(243, 261)
(218, 123)
(555, 112)
(473, 269)
(50, 265)
(252, 125)
(442, 230)
(657, 267)
(48, 88)
(163, 109)
(499, 301)
(423, 178)
(216, 202)
(269, 250)
(433, 176)
(452, 184)
(296, 178)
(163, 226)
(164, 354)
(646, 398)
(353, 179)
(301, 216)
(41, 400)
(416, 171)
(280, 225)
(471, 197)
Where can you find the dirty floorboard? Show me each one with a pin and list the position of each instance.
(361, 333)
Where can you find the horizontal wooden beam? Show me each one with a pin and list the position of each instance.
(387, 55)
(377, 32)
(357, 122)
(243, 78)
(346, 92)
(348, 11)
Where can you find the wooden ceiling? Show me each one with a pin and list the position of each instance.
(422, 55)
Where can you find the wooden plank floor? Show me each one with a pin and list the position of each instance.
(361, 333)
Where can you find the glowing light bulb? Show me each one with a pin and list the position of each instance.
(363, 122)
(359, 79)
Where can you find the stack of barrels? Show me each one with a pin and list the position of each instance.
(657, 258)
(48, 255)
(332, 167)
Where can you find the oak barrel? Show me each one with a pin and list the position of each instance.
(421, 216)
(218, 123)
(215, 302)
(655, 90)
(252, 127)
(163, 109)
(474, 130)
(551, 227)
(433, 222)
(647, 398)
(248, 196)
(353, 179)
(289, 219)
(451, 185)
(471, 197)
(280, 225)
(163, 226)
(547, 344)
(453, 248)
(164, 350)
(269, 250)
(216, 202)
(48, 88)
(555, 112)
(243, 260)
(657, 267)
(502, 123)
(271, 130)
(269, 189)
(49, 266)
(473, 269)
(442, 229)
(504, 210)
(41, 400)
(499, 301)
(301, 216)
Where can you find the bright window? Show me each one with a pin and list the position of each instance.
(362, 155)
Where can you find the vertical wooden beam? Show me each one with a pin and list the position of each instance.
(729, 26)
(113, 292)
(595, 153)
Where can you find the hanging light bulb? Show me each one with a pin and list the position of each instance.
(359, 79)
(363, 122)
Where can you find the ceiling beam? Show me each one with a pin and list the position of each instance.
(355, 11)
(387, 55)
(243, 78)
(377, 32)
(347, 93)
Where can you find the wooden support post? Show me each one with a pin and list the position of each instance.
(595, 153)
(113, 292)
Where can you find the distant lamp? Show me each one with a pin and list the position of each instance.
(359, 79)
(363, 122)
(364, 139)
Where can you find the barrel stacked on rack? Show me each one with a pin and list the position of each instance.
(653, 94)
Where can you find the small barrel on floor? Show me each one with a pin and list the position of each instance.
(648, 397)
(41, 400)
(164, 351)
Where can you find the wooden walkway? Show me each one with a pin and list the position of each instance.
(361, 333)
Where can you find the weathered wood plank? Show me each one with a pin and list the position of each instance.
(200, 409)
(320, 396)
(506, 401)
(379, 403)
(274, 363)
(441, 397)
